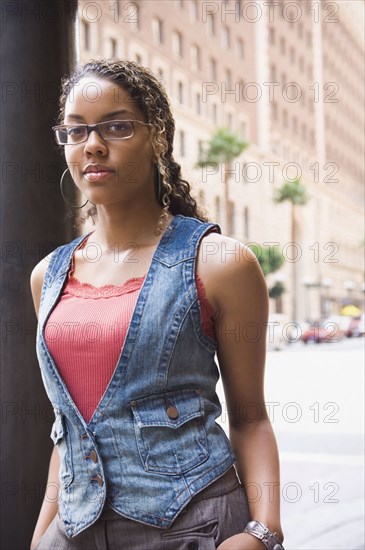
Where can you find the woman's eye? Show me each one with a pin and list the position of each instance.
(119, 126)
(75, 130)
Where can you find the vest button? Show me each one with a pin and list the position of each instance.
(172, 412)
(84, 436)
(93, 456)
(133, 403)
(98, 478)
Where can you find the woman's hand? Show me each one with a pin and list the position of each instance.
(242, 541)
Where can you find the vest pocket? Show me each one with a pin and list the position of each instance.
(60, 438)
(170, 432)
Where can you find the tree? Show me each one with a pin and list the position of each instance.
(270, 260)
(294, 192)
(223, 147)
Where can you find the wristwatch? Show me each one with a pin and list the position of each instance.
(262, 532)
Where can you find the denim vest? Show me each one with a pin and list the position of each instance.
(152, 442)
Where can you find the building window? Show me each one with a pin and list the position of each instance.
(193, 10)
(211, 24)
(282, 45)
(182, 143)
(198, 103)
(200, 148)
(195, 57)
(301, 63)
(226, 39)
(157, 30)
(243, 130)
(180, 91)
(238, 4)
(273, 73)
(115, 8)
(138, 58)
(177, 46)
(86, 33)
(161, 74)
(215, 113)
(228, 79)
(292, 55)
(274, 110)
(304, 132)
(300, 29)
(295, 125)
(272, 36)
(136, 17)
(275, 148)
(201, 197)
(213, 69)
(217, 213)
(310, 72)
(231, 217)
(309, 39)
(112, 47)
(246, 223)
(229, 121)
(240, 48)
(285, 117)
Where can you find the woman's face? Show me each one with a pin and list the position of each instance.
(95, 100)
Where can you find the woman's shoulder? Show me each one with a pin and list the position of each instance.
(225, 253)
(226, 266)
(36, 279)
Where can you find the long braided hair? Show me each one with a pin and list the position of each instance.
(151, 97)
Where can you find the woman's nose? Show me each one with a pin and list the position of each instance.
(95, 142)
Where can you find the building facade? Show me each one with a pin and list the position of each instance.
(287, 77)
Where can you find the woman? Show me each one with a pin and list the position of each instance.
(139, 460)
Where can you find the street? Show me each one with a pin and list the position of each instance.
(315, 400)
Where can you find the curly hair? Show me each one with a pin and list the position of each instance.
(151, 97)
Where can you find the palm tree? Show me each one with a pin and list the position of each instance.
(294, 192)
(223, 147)
(271, 261)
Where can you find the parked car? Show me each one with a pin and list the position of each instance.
(332, 329)
(361, 326)
(296, 329)
(354, 328)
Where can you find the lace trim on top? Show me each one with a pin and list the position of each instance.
(87, 290)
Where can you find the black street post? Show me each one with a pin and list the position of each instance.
(37, 49)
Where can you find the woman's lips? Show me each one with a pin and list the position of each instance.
(96, 176)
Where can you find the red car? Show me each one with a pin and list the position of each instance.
(330, 330)
(354, 328)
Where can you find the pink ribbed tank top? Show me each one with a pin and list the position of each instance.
(86, 330)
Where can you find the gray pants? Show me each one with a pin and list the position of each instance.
(216, 513)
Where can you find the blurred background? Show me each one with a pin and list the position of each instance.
(268, 98)
(269, 106)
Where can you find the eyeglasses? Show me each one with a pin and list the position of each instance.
(70, 134)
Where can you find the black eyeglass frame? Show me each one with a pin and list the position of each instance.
(96, 127)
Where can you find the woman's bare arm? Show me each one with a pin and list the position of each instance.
(50, 502)
(239, 292)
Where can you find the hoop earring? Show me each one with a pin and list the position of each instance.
(64, 197)
(158, 184)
